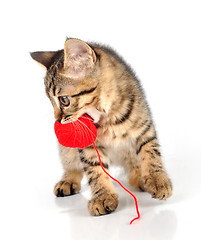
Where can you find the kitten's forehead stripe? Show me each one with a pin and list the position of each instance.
(54, 90)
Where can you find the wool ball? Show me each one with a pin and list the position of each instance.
(78, 134)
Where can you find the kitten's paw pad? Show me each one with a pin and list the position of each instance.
(159, 186)
(64, 188)
(103, 204)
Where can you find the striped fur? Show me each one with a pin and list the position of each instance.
(107, 89)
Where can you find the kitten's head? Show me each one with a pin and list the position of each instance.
(71, 80)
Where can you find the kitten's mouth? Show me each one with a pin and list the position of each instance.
(71, 120)
(92, 112)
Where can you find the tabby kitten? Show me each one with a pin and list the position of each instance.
(88, 78)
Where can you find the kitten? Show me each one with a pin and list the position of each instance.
(92, 79)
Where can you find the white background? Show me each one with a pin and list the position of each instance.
(162, 42)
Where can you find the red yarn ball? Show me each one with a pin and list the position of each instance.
(78, 134)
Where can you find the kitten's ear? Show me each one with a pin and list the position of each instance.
(79, 59)
(44, 58)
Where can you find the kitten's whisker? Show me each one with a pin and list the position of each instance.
(74, 131)
(86, 127)
(73, 124)
(83, 129)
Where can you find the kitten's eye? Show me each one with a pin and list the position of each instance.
(64, 100)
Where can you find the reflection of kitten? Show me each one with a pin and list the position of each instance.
(88, 78)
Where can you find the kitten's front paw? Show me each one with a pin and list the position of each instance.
(64, 188)
(103, 204)
(159, 186)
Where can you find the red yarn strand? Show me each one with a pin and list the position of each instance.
(136, 204)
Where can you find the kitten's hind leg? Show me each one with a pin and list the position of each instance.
(71, 181)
